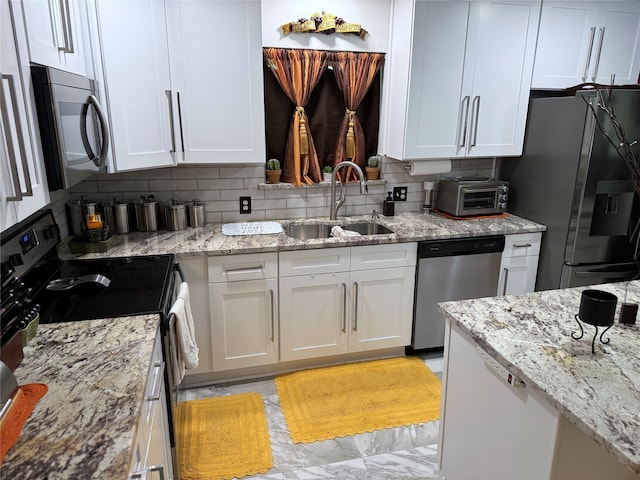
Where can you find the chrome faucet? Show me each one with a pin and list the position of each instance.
(335, 204)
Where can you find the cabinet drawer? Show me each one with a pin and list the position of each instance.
(307, 262)
(383, 256)
(254, 266)
(522, 244)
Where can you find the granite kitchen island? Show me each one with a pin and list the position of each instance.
(523, 399)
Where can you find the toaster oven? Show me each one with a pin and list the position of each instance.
(467, 196)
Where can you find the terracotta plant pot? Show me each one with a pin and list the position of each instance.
(372, 173)
(274, 176)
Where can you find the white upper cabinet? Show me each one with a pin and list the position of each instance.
(459, 78)
(216, 74)
(183, 81)
(56, 34)
(23, 186)
(135, 60)
(584, 42)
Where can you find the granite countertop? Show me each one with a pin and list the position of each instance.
(84, 426)
(209, 240)
(531, 335)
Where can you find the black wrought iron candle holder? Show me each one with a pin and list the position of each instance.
(597, 308)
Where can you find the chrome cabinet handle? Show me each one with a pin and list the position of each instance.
(157, 468)
(506, 277)
(98, 160)
(344, 308)
(462, 121)
(521, 245)
(272, 318)
(13, 162)
(67, 32)
(171, 123)
(251, 269)
(157, 382)
(475, 108)
(180, 121)
(355, 319)
(142, 475)
(589, 52)
(598, 53)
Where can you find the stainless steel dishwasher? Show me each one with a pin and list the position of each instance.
(456, 269)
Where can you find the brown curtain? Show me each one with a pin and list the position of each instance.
(298, 72)
(354, 71)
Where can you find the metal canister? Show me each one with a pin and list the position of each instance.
(77, 214)
(119, 216)
(196, 214)
(175, 215)
(147, 214)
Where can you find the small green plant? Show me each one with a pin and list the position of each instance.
(273, 164)
(327, 169)
(373, 162)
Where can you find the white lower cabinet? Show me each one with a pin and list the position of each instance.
(346, 300)
(519, 264)
(243, 296)
(151, 446)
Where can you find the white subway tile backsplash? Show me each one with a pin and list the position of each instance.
(220, 187)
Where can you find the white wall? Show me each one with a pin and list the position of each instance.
(373, 15)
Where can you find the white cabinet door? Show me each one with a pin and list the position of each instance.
(619, 43)
(434, 107)
(23, 186)
(581, 42)
(463, 98)
(519, 264)
(244, 321)
(138, 84)
(500, 53)
(216, 70)
(382, 301)
(55, 33)
(313, 315)
(517, 275)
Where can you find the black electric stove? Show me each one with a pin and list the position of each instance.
(134, 285)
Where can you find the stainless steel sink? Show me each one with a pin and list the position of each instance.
(368, 228)
(308, 231)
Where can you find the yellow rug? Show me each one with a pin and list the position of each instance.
(356, 398)
(223, 438)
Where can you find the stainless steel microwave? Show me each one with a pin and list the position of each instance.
(466, 196)
(73, 128)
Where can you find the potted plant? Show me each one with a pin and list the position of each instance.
(373, 167)
(273, 170)
(326, 173)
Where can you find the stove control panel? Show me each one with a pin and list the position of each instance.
(26, 243)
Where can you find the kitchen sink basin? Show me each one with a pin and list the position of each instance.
(368, 228)
(308, 231)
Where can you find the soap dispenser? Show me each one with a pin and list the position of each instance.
(388, 206)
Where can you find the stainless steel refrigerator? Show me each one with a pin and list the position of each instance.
(570, 179)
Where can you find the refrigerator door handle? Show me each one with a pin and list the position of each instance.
(607, 275)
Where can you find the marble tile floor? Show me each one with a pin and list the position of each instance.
(396, 453)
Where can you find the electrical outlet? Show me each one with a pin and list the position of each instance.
(245, 204)
(400, 194)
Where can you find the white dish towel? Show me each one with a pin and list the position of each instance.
(187, 354)
(338, 232)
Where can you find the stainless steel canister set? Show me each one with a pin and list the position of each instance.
(146, 215)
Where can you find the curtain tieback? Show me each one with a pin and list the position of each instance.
(304, 137)
(350, 144)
